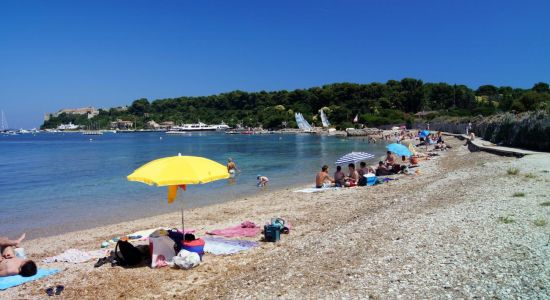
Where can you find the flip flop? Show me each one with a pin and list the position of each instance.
(59, 289)
(100, 262)
(49, 291)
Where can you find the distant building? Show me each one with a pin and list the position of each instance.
(121, 108)
(166, 125)
(121, 124)
(89, 111)
(153, 125)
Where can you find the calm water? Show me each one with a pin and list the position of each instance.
(54, 183)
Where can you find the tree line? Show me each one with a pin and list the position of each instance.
(393, 102)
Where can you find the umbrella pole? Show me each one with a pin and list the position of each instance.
(182, 224)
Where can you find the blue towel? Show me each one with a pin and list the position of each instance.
(15, 280)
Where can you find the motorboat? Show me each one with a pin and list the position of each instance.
(69, 126)
(195, 127)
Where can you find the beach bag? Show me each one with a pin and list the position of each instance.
(126, 254)
(362, 181)
(162, 250)
(187, 259)
(272, 233)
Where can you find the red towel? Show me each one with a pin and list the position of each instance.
(246, 229)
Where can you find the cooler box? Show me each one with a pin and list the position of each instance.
(196, 246)
(371, 179)
(272, 233)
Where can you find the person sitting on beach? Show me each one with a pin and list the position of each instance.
(382, 170)
(12, 265)
(339, 177)
(390, 159)
(439, 137)
(231, 166)
(364, 170)
(262, 180)
(353, 177)
(322, 178)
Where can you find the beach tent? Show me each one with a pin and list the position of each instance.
(178, 171)
(399, 149)
(353, 157)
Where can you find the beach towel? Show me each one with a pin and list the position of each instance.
(15, 280)
(76, 256)
(316, 190)
(247, 228)
(221, 246)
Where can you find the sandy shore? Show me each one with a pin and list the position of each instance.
(456, 230)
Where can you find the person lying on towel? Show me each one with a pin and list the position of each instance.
(12, 265)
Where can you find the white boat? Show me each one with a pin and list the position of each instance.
(195, 127)
(302, 123)
(222, 127)
(69, 126)
(324, 118)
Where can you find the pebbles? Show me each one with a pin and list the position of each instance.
(432, 236)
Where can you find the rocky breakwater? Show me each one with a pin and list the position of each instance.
(364, 132)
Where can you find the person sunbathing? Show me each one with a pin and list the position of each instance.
(323, 177)
(12, 265)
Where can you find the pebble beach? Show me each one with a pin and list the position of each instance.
(461, 228)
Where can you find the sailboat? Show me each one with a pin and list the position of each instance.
(324, 118)
(92, 131)
(3, 123)
(4, 126)
(303, 123)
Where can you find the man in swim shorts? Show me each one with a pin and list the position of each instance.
(323, 177)
(231, 166)
(12, 265)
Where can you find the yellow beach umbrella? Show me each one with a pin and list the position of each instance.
(178, 171)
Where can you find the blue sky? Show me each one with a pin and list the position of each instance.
(57, 54)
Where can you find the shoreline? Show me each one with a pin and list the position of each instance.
(176, 206)
(433, 235)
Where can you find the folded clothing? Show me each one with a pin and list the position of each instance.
(15, 280)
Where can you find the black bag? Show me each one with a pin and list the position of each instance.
(126, 254)
(362, 181)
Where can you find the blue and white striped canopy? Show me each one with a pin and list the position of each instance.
(353, 157)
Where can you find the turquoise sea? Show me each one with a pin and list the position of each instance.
(55, 183)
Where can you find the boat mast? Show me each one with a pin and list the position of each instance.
(4, 122)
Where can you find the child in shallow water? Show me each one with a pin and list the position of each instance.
(262, 181)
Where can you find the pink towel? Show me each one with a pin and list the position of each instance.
(247, 229)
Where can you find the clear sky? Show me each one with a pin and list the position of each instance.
(63, 54)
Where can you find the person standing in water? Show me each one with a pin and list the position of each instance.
(231, 166)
